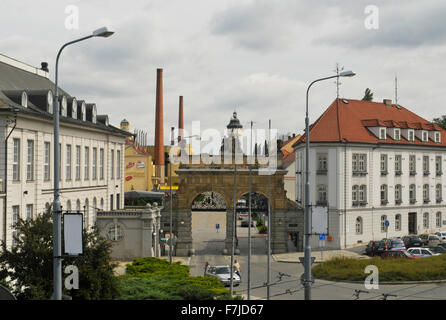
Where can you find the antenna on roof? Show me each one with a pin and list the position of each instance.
(396, 90)
(338, 83)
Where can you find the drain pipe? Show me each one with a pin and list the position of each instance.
(15, 111)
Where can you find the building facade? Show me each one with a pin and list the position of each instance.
(371, 163)
(91, 150)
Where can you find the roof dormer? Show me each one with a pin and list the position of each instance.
(82, 110)
(91, 112)
(63, 106)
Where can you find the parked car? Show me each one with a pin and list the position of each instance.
(245, 222)
(397, 243)
(377, 247)
(443, 245)
(437, 249)
(398, 253)
(442, 236)
(430, 240)
(422, 252)
(412, 241)
(222, 273)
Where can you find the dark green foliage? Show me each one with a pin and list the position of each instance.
(368, 95)
(156, 279)
(441, 122)
(390, 269)
(29, 264)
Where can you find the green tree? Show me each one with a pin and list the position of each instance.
(441, 122)
(368, 95)
(27, 268)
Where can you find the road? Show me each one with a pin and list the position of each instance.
(285, 277)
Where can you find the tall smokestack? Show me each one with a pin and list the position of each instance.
(159, 129)
(180, 121)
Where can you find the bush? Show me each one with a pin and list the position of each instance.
(392, 269)
(262, 229)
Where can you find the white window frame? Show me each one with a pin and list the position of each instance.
(118, 164)
(68, 163)
(94, 169)
(16, 160)
(46, 163)
(101, 164)
(86, 163)
(78, 163)
(397, 134)
(29, 211)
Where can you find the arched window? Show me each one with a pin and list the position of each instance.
(398, 222)
(358, 226)
(68, 205)
(426, 220)
(438, 219)
(383, 223)
(426, 193)
(412, 193)
(438, 193)
(102, 204)
(398, 194)
(384, 194)
(355, 191)
(363, 193)
(78, 205)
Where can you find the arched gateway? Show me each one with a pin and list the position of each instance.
(196, 179)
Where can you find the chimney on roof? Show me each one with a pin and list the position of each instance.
(180, 121)
(294, 135)
(387, 102)
(159, 135)
(44, 66)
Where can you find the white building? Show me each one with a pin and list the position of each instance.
(92, 150)
(371, 163)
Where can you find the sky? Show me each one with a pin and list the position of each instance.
(255, 57)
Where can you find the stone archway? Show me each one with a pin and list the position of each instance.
(199, 178)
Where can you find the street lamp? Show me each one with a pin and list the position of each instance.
(307, 254)
(57, 251)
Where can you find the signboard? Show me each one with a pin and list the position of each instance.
(322, 237)
(319, 220)
(72, 228)
(141, 164)
(387, 223)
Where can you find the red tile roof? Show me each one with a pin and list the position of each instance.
(349, 121)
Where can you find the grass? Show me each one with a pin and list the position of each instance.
(392, 270)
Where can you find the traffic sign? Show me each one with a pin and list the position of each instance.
(387, 223)
(301, 259)
(322, 237)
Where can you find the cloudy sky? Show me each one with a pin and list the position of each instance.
(253, 56)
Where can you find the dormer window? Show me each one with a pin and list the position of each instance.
(437, 137)
(382, 133)
(411, 135)
(24, 100)
(397, 134)
(74, 109)
(63, 106)
(424, 135)
(84, 112)
(49, 100)
(93, 115)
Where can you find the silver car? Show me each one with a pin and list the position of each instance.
(222, 273)
(421, 252)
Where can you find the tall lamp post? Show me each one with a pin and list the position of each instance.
(57, 247)
(307, 255)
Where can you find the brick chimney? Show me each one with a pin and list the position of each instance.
(159, 128)
(180, 121)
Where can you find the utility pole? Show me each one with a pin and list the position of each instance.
(249, 220)
(172, 129)
(268, 276)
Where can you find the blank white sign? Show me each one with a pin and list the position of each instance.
(319, 220)
(73, 234)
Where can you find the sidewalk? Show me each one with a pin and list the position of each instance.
(293, 257)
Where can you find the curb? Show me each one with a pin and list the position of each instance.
(385, 282)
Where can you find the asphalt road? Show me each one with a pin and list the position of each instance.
(285, 277)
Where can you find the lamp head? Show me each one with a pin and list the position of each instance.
(347, 74)
(102, 32)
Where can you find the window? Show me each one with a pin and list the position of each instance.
(15, 219)
(86, 214)
(438, 169)
(358, 226)
(355, 191)
(383, 164)
(437, 137)
(68, 205)
(46, 163)
(94, 171)
(29, 212)
(438, 193)
(424, 136)
(118, 164)
(384, 194)
(363, 194)
(16, 161)
(397, 134)
(426, 193)
(438, 219)
(398, 194)
(115, 233)
(322, 164)
(78, 162)
(118, 200)
(30, 160)
(382, 133)
(101, 164)
(398, 165)
(78, 205)
(383, 223)
(68, 163)
(322, 194)
(412, 165)
(112, 165)
(411, 135)
(111, 202)
(425, 165)
(398, 222)
(359, 163)
(87, 163)
(412, 194)
(426, 220)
